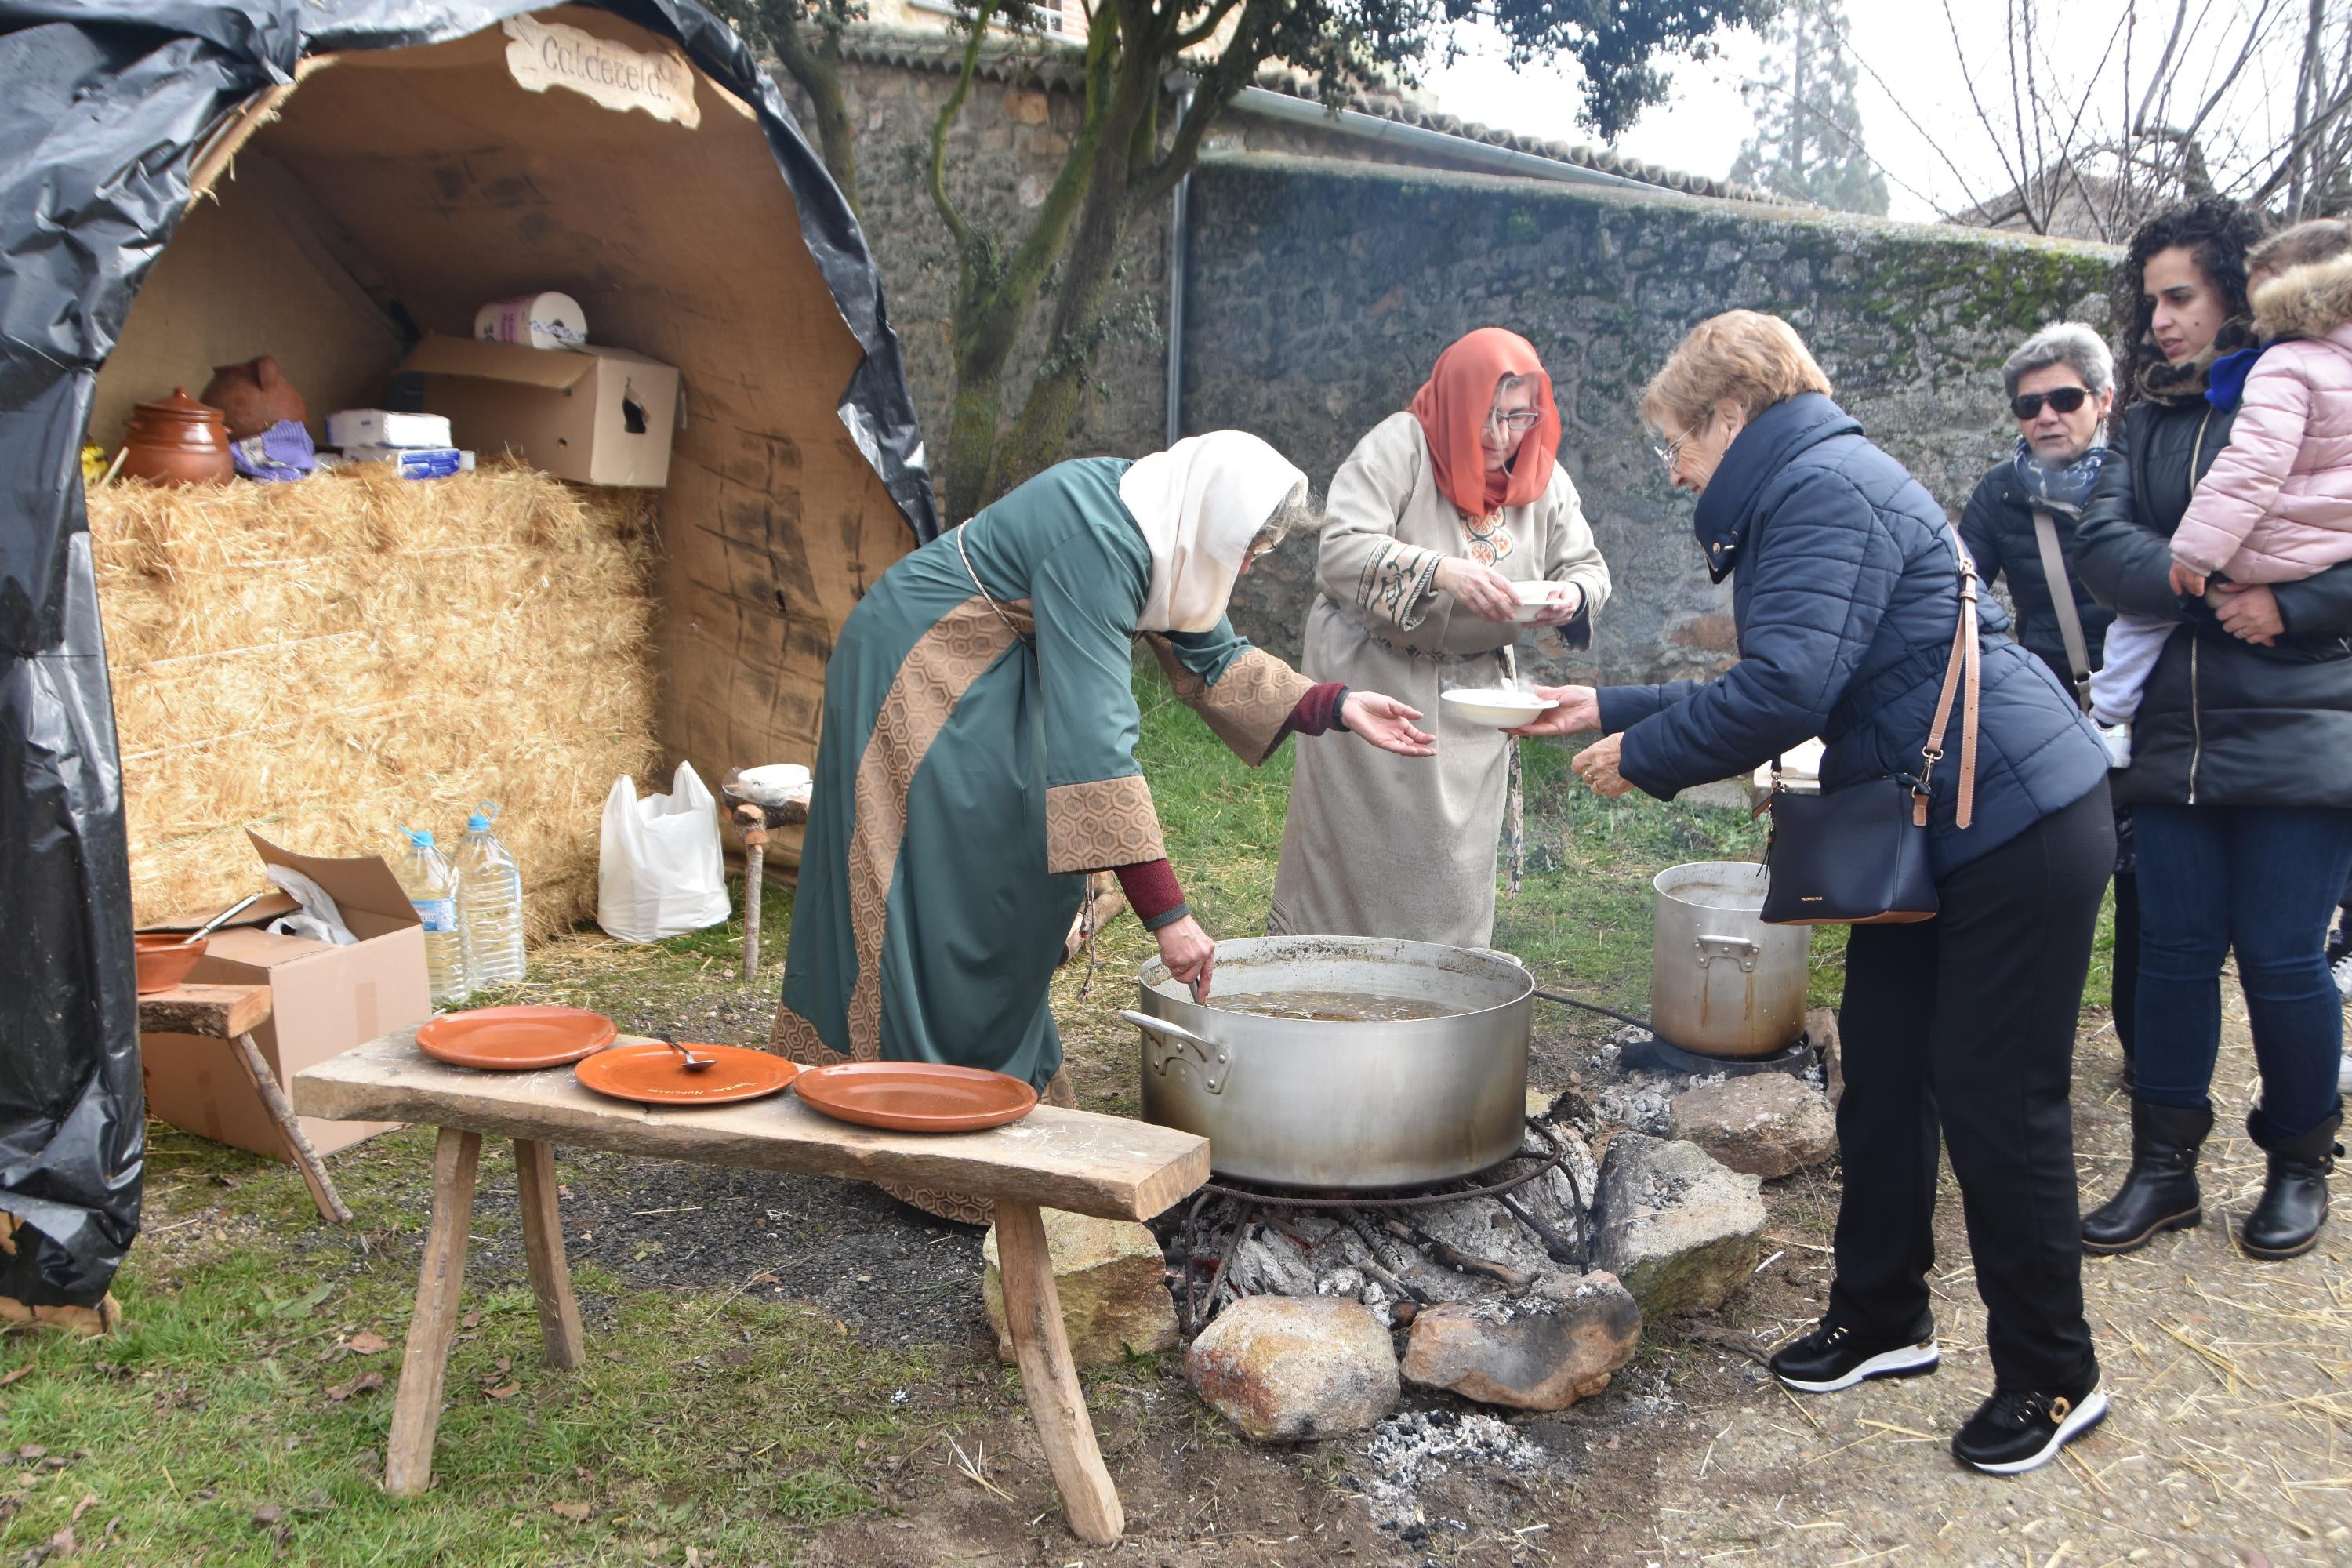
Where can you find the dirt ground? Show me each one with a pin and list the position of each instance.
(2227, 1379)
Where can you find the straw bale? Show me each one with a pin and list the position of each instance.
(326, 660)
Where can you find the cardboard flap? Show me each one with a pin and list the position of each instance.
(556, 370)
(364, 885)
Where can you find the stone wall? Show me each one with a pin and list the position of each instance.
(1319, 292)
(1002, 156)
(1319, 289)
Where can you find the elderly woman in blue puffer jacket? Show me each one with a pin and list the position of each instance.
(1846, 590)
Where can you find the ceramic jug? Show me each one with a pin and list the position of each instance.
(177, 441)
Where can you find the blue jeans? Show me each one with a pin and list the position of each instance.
(2262, 879)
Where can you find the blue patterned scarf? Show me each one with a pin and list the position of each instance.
(2062, 491)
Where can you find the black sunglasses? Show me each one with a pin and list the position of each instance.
(2065, 400)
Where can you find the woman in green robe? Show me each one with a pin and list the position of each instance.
(978, 758)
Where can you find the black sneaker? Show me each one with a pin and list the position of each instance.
(2019, 1430)
(1835, 1356)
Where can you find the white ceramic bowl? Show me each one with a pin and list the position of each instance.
(1535, 596)
(1498, 706)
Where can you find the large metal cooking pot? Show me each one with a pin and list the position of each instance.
(1319, 1103)
(1722, 983)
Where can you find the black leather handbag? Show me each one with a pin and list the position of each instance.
(1858, 856)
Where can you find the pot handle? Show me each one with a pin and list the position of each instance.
(1510, 958)
(1738, 948)
(1158, 1049)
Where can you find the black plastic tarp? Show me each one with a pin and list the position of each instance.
(103, 108)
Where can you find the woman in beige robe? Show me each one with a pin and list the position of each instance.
(1432, 519)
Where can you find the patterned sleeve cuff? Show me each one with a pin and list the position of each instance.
(1249, 705)
(1398, 584)
(1102, 822)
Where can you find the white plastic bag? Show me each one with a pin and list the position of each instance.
(660, 870)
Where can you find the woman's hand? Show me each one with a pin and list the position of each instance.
(1188, 953)
(1578, 710)
(1560, 611)
(1597, 765)
(1386, 723)
(2248, 611)
(1482, 591)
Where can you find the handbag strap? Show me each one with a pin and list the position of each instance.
(2062, 604)
(1960, 681)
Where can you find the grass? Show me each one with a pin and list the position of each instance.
(223, 1415)
(211, 1424)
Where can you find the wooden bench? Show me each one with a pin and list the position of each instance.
(231, 1013)
(1069, 1160)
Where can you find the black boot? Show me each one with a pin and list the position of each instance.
(2294, 1206)
(2160, 1192)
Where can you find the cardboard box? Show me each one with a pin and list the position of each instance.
(599, 415)
(325, 1001)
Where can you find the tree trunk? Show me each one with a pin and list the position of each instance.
(816, 69)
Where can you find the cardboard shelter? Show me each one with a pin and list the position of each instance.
(328, 184)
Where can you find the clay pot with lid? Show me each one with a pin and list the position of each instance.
(177, 441)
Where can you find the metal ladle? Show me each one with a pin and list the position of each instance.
(691, 1062)
(223, 918)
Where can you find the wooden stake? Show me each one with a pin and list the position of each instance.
(543, 1247)
(297, 1142)
(754, 852)
(1032, 1310)
(425, 1360)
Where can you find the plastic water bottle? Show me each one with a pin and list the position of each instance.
(432, 887)
(489, 903)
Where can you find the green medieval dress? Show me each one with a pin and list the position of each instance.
(977, 761)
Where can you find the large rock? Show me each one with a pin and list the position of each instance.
(1544, 1351)
(1113, 1283)
(1677, 1226)
(1285, 1368)
(1767, 1123)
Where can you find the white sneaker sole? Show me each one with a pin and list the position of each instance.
(1910, 1360)
(2079, 1420)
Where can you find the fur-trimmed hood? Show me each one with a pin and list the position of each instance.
(2306, 301)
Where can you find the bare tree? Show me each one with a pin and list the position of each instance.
(2178, 101)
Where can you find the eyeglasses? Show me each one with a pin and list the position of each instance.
(1523, 421)
(2064, 399)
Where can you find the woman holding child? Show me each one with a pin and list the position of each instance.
(2221, 530)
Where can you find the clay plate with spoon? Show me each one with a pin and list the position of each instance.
(663, 1072)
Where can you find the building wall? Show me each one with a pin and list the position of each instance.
(1319, 289)
(1320, 292)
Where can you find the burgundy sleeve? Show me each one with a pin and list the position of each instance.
(1319, 711)
(1153, 893)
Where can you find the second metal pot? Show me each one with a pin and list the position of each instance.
(1722, 983)
(1309, 1102)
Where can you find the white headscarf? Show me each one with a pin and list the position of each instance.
(1200, 504)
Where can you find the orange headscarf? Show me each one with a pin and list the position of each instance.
(1453, 405)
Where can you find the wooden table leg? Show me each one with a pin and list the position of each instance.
(425, 1360)
(1032, 1310)
(543, 1247)
(289, 1126)
(755, 878)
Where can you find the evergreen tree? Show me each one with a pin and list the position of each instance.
(1808, 141)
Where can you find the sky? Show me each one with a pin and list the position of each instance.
(1918, 120)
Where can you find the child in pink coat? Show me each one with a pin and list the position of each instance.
(2276, 504)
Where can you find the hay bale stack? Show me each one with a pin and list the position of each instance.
(323, 661)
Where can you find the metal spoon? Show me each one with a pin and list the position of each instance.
(692, 1063)
(223, 918)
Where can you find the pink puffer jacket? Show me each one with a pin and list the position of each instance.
(2276, 505)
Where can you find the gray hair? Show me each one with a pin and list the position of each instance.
(2061, 343)
(1297, 514)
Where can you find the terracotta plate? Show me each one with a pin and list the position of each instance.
(652, 1074)
(516, 1039)
(915, 1097)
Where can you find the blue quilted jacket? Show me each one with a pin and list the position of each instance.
(1845, 588)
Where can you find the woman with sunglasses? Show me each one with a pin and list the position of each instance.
(1444, 516)
(2061, 385)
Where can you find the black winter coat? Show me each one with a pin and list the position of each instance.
(2221, 721)
(1846, 595)
(1998, 528)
